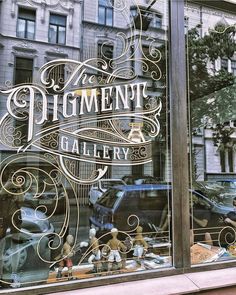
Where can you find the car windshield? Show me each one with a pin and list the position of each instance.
(110, 197)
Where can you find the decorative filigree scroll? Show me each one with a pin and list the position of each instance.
(27, 189)
(94, 111)
(117, 131)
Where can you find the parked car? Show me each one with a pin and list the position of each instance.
(216, 191)
(144, 179)
(20, 260)
(208, 186)
(100, 187)
(145, 203)
(47, 199)
(227, 183)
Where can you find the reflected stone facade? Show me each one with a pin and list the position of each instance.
(41, 31)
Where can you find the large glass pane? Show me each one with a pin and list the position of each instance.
(53, 34)
(21, 27)
(211, 49)
(61, 35)
(109, 17)
(30, 29)
(101, 15)
(23, 70)
(85, 162)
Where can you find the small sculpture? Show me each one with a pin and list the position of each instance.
(140, 245)
(114, 245)
(96, 253)
(66, 254)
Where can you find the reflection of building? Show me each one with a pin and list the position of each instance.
(31, 34)
(214, 159)
(41, 31)
(213, 154)
(103, 29)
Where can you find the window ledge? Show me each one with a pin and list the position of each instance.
(189, 283)
(24, 49)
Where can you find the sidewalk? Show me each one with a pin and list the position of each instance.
(192, 283)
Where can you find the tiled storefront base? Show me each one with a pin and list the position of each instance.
(208, 282)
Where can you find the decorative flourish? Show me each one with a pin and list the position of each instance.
(90, 124)
(132, 221)
(25, 182)
(222, 29)
(227, 236)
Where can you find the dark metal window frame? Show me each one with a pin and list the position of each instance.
(233, 67)
(26, 23)
(106, 8)
(58, 26)
(180, 177)
(23, 69)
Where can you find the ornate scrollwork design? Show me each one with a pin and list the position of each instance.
(25, 185)
(133, 223)
(227, 236)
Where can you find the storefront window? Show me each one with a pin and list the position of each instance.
(86, 166)
(211, 87)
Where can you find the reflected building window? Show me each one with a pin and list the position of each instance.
(233, 67)
(57, 29)
(23, 70)
(186, 24)
(143, 18)
(26, 23)
(133, 12)
(150, 59)
(21, 130)
(56, 74)
(105, 12)
(224, 64)
(105, 52)
(157, 21)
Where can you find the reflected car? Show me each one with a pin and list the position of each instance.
(45, 202)
(144, 203)
(100, 187)
(228, 183)
(137, 180)
(20, 260)
(216, 191)
(123, 206)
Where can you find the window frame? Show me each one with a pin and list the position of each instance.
(180, 177)
(57, 28)
(233, 69)
(106, 9)
(60, 69)
(224, 64)
(110, 46)
(25, 23)
(25, 69)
